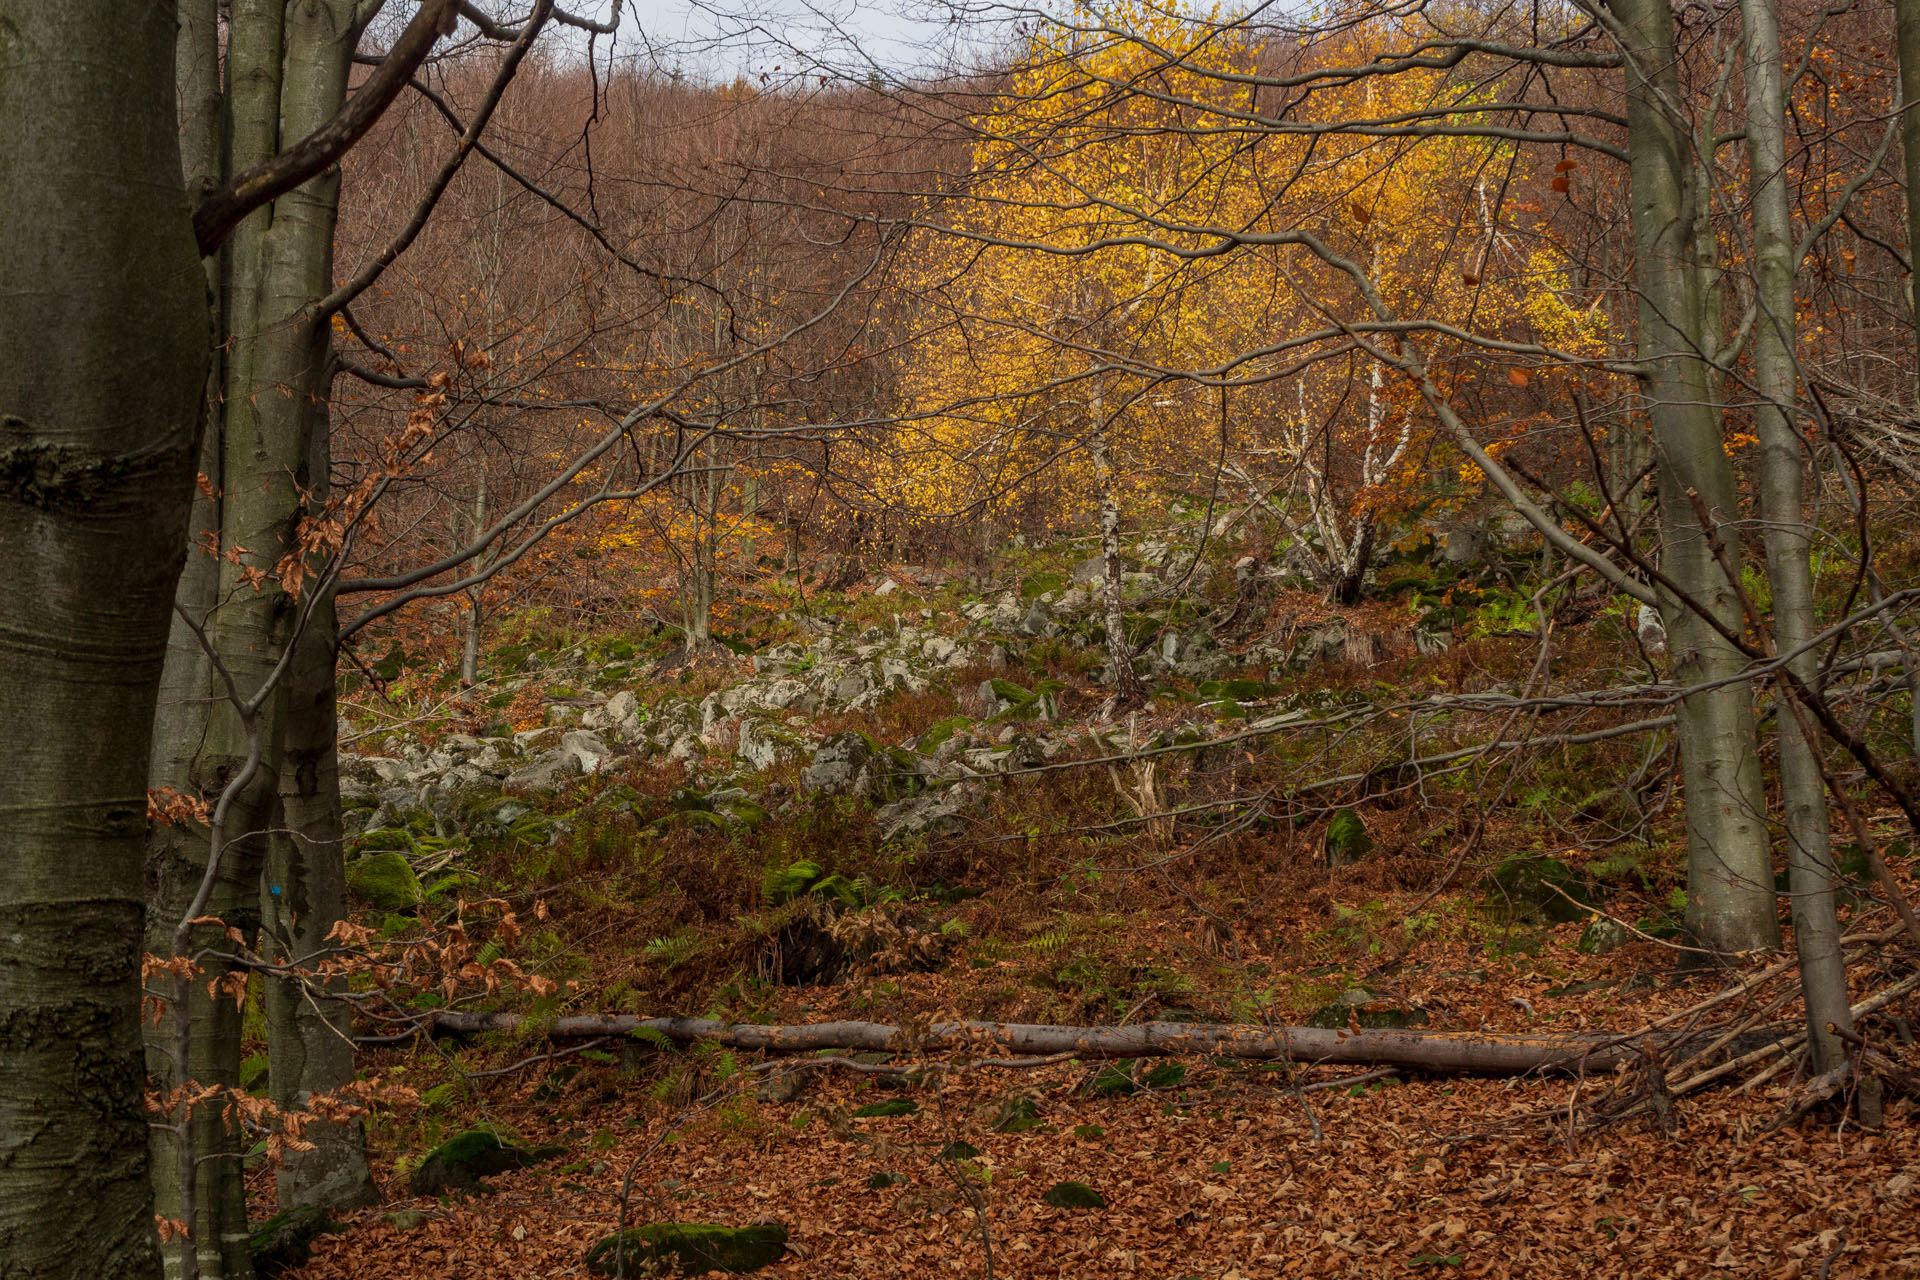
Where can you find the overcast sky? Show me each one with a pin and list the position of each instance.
(721, 38)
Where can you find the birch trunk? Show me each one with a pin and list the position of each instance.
(103, 359)
(1128, 691)
(1730, 903)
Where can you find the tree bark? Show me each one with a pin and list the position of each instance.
(309, 1042)
(287, 74)
(198, 741)
(1803, 792)
(1467, 1051)
(103, 357)
(1906, 17)
(470, 648)
(1730, 902)
(1128, 691)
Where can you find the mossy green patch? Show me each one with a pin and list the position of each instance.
(284, 1242)
(1073, 1195)
(384, 880)
(463, 1160)
(696, 1248)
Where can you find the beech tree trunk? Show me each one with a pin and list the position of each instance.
(103, 358)
(309, 1040)
(287, 68)
(309, 1043)
(1803, 791)
(1730, 901)
(200, 742)
(476, 620)
(1906, 16)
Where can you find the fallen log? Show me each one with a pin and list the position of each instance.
(1471, 1052)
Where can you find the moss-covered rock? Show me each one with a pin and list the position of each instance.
(284, 1242)
(1073, 1195)
(941, 730)
(695, 1247)
(386, 839)
(891, 1107)
(1371, 1012)
(462, 1161)
(1541, 888)
(384, 880)
(1602, 936)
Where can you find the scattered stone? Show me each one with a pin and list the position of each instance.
(545, 774)
(1603, 935)
(763, 744)
(695, 1248)
(590, 749)
(620, 715)
(929, 815)
(1089, 571)
(784, 1087)
(840, 764)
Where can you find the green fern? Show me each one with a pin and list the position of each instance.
(670, 953)
(488, 954)
(653, 1036)
(781, 885)
(1051, 940)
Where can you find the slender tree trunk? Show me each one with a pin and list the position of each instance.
(201, 743)
(470, 650)
(1906, 16)
(1730, 902)
(1810, 872)
(700, 583)
(790, 557)
(103, 358)
(287, 71)
(1128, 691)
(1352, 571)
(308, 1052)
(309, 1040)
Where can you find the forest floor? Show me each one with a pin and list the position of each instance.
(1232, 1171)
(1057, 903)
